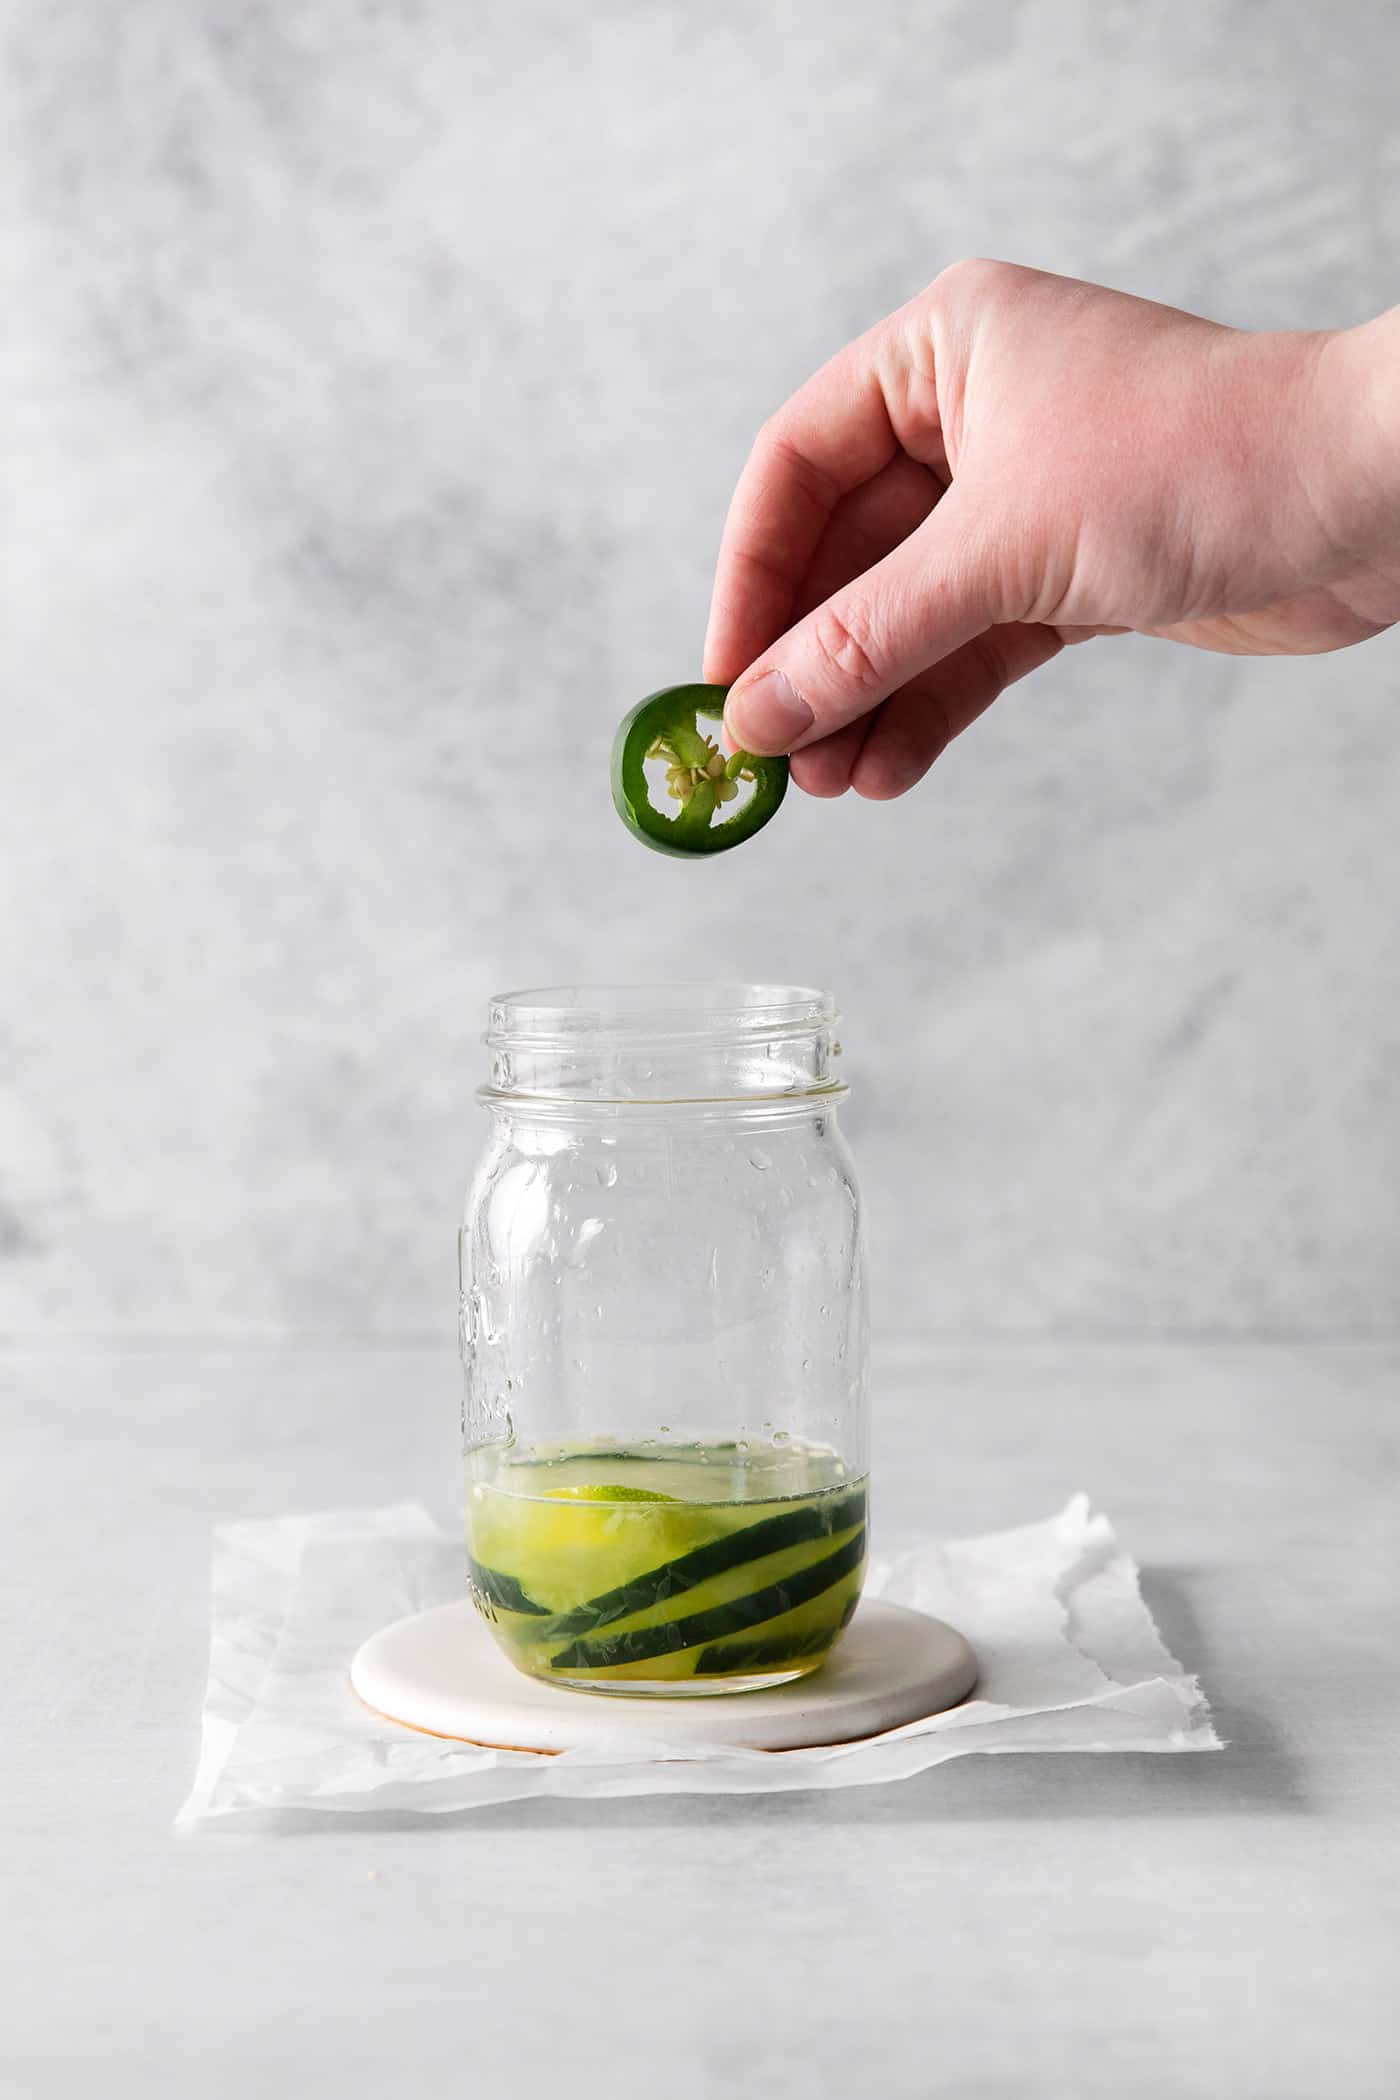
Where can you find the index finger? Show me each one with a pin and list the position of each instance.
(834, 434)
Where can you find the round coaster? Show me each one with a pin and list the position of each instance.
(442, 1672)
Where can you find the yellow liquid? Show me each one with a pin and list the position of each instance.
(699, 1569)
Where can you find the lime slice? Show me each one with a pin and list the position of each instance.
(608, 1494)
(572, 1542)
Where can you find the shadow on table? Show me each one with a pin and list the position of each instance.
(1254, 1774)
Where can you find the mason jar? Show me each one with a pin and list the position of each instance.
(663, 1330)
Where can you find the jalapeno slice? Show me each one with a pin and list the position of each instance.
(700, 781)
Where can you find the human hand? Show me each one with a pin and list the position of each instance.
(1014, 461)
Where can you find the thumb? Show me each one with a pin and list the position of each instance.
(934, 592)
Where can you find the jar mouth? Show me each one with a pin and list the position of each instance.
(562, 1013)
(709, 1041)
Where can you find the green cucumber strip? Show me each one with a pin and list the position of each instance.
(792, 1527)
(502, 1590)
(639, 1643)
(761, 1655)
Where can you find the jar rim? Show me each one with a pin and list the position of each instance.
(636, 1044)
(699, 1009)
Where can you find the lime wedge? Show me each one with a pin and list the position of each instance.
(608, 1494)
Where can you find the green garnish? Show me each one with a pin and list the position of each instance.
(700, 781)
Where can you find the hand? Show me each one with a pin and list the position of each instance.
(1015, 461)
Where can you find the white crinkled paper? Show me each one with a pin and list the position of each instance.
(1069, 1660)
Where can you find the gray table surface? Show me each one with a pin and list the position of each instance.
(1001, 1926)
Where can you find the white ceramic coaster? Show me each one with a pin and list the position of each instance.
(443, 1673)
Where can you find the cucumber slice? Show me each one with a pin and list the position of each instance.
(503, 1591)
(739, 1657)
(791, 1527)
(639, 1643)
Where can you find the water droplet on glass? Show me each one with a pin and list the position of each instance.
(665, 1429)
(760, 1161)
(607, 1175)
(782, 1436)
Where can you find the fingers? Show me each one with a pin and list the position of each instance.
(865, 526)
(932, 594)
(825, 768)
(916, 725)
(887, 753)
(831, 437)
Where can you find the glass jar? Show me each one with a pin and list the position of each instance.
(663, 1335)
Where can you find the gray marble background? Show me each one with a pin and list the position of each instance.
(373, 378)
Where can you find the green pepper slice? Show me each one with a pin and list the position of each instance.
(700, 780)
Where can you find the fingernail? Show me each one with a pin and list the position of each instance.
(767, 716)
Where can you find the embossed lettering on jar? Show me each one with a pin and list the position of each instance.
(664, 1339)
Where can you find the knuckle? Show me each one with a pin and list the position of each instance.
(770, 436)
(972, 278)
(781, 450)
(846, 646)
(989, 655)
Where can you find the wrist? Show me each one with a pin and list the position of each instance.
(1359, 374)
